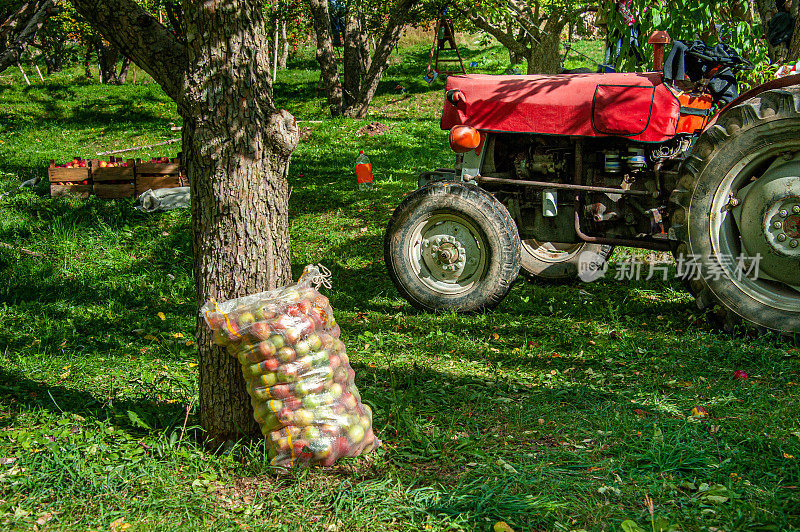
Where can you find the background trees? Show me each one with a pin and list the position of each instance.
(351, 93)
(529, 29)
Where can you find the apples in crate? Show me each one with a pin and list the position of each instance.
(113, 178)
(70, 179)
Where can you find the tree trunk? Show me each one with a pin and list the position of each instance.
(354, 100)
(122, 76)
(544, 57)
(326, 58)
(766, 10)
(352, 56)
(283, 57)
(107, 55)
(236, 147)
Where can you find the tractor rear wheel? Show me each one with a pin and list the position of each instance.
(452, 246)
(737, 215)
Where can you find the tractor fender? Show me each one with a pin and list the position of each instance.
(779, 83)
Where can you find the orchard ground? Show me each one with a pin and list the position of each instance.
(561, 410)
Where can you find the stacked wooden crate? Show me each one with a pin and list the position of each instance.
(167, 174)
(112, 182)
(69, 181)
(116, 178)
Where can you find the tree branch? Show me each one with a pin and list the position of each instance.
(20, 28)
(139, 36)
(497, 32)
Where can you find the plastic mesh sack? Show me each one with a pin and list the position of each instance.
(297, 372)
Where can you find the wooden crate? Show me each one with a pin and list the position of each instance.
(159, 175)
(69, 181)
(113, 182)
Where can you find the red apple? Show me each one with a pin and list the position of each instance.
(281, 391)
(260, 330)
(292, 402)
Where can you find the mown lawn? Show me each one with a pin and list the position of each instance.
(561, 410)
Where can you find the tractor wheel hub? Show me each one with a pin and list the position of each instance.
(769, 221)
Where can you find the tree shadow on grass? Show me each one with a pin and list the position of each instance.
(63, 399)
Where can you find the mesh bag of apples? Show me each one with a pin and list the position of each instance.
(297, 372)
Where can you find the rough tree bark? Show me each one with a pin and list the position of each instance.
(237, 147)
(19, 29)
(361, 77)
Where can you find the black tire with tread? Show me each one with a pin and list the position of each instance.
(487, 213)
(771, 116)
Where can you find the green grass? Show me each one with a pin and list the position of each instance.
(561, 410)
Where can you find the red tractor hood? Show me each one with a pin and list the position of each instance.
(632, 105)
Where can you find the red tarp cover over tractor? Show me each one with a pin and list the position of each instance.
(632, 105)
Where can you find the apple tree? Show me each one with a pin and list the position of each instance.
(351, 94)
(528, 29)
(236, 146)
(19, 22)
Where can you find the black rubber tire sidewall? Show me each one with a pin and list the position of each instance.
(487, 214)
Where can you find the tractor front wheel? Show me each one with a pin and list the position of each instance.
(452, 246)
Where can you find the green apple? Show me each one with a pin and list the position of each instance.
(220, 337)
(302, 348)
(268, 379)
(287, 372)
(303, 417)
(277, 341)
(314, 342)
(356, 433)
(285, 354)
(336, 390)
(245, 319)
(310, 433)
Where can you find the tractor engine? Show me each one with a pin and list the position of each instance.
(614, 187)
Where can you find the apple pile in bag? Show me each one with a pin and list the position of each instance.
(297, 372)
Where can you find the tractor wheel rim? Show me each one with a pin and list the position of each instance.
(552, 252)
(726, 239)
(448, 253)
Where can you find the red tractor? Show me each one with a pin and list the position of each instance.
(552, 172)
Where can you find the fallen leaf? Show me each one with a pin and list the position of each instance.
(177, 335)
(788, 456)
(44, 518)
(162, 316)
(495, 336)
(119, 524)
(502, 526)
(192, 364)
